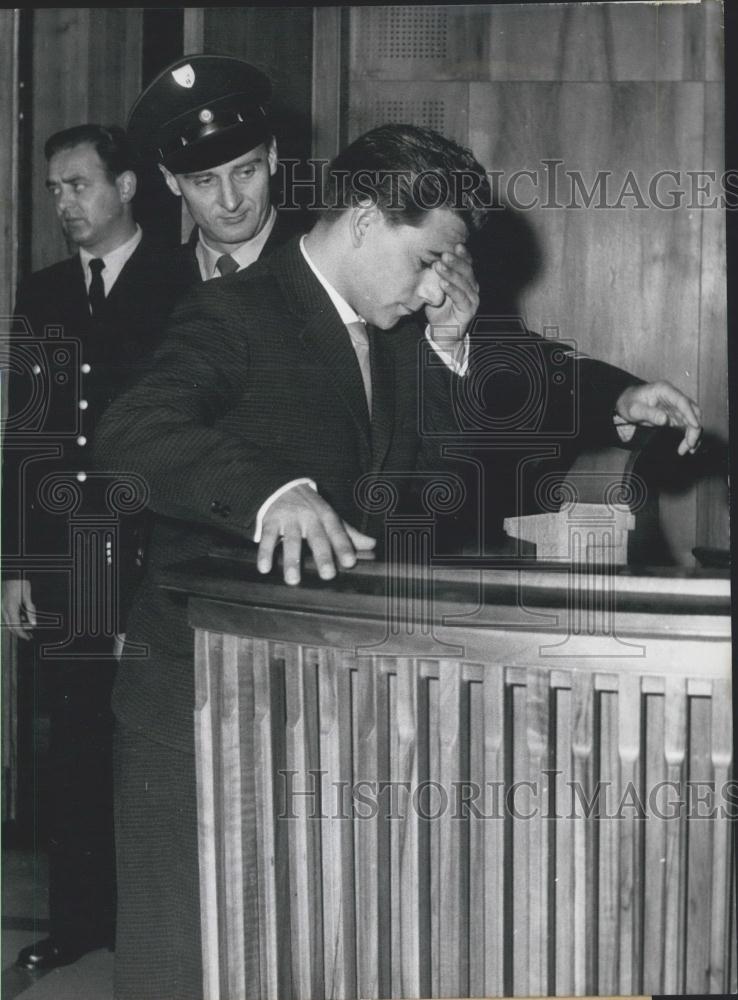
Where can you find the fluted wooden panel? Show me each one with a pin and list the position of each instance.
(572, 869)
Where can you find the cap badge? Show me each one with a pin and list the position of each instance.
(206, 116)
(184, 75)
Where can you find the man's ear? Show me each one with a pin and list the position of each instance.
(272, 156)
(363, 216)
(126, 184)
(171, 180)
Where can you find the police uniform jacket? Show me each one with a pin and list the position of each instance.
(64, 368)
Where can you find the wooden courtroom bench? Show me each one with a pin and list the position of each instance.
(516, 776)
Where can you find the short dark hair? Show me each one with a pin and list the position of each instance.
(109, 141)
(407, 171)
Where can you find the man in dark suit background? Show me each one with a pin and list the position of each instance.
(83, 328)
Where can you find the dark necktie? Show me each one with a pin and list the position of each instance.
(226, 264)
(96, 294)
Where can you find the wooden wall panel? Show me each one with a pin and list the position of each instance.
(8, 157)
(419, 42)
(596, 42)
(442, 106)
(60, 41)
(601, 87)
(624, 282)
(9, 225)
(621, 280)
(279, 42)
(637, 41)
(713, 526)
(115, 65)
(86, 68)
(328, 66)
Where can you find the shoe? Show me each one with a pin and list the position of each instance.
(50, 954)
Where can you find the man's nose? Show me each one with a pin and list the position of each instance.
(63, 201)
(230, 196)
(429, 288)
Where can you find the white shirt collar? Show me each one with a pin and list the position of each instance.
(247, 253)
(344, 310)
(115, 261)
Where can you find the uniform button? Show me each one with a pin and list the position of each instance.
(215, 506)
(83, 404)
(81, 440)
(81, 476)
(86, 368)
(36, 369)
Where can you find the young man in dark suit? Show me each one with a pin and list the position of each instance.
(267, 408)
(273, 394)
(83, 328)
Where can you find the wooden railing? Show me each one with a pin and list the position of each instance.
(555, 750)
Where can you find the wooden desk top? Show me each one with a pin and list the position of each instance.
(486, 585)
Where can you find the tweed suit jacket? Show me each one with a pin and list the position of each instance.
(255, 385)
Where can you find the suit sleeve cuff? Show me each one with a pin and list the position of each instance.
(624, 430)
(304, 481)
(453, 352)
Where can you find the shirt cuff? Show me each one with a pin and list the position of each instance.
(624, 429)
(453, 352)
(304, 481)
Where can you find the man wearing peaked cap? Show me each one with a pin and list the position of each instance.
(204, 121)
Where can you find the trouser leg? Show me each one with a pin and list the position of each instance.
(81, 839)
(158, 949)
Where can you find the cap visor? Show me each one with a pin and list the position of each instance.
(213, 150)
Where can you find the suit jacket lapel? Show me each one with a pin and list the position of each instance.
(128, 274)
(325, 337)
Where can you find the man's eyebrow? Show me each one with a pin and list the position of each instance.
(208, 173)
(66, 180)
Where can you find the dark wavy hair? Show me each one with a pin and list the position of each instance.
(407, 171)
(109, 141)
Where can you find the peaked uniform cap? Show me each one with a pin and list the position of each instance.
(199, 112)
